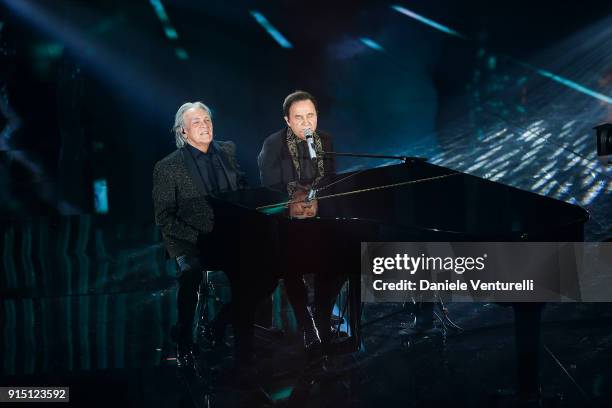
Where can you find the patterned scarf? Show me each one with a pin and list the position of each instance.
(293, 140)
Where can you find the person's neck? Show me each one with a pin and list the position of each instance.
(203, 147)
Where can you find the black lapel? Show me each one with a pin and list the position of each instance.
(192, 170)
(230, 174)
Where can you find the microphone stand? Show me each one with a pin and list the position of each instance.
(405, 159)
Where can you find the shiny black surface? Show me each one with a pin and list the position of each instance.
(429, 200)
(411, 201)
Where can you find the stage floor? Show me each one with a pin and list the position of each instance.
(90, 306)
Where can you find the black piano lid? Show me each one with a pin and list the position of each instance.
(445, 200)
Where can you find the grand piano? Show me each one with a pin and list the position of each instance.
(277, 231)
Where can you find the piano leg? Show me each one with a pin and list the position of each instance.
(246, 294)
(354, 297)
(327, 289)
(297, 292)
(527, 318)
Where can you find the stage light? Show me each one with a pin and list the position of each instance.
(492, 61)
(171, 33)
(169, 30)
(595, 189)
(100, 196)
(570, 84)
(181, 54)
(274, 33)
(371, 44)
(160, 11)
(426, 21)
(281, 394)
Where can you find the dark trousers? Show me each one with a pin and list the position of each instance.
(241, 312)
(189, 277)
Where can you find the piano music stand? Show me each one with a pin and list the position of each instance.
(405, 159)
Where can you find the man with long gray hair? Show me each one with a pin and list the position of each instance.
(182, 180)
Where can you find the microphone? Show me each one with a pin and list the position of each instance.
(312, 194)
(310, 142)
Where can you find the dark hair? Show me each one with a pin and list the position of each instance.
(296, 97)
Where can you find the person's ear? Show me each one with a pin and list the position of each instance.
(287, 120)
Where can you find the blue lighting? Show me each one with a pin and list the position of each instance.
(563, 81)
(279, 209)
(492, 62)
(566, 82)
(100, 196)
(371, 44)
(281, 394)
(50, 50)
(274, 33)
(427, 21)
(181, 54)
(345, 325)
(573, 85)
(159, 9)
(171, 33)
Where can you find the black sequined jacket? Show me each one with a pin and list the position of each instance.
(179, 197)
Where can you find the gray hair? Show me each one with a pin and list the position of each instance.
(179, 124)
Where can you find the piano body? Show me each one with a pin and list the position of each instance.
(413, 201)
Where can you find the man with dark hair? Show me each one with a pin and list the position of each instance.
(284, 162)
(181, 181)
(284, 156)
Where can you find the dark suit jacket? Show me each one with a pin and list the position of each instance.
(179, 197)
(274, 160)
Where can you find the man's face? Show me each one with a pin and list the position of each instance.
(198, 127)
(302, 115)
